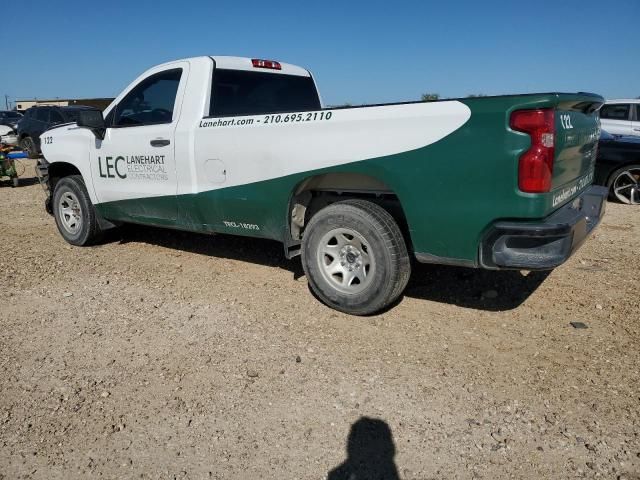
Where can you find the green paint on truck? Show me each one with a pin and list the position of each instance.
(450, 191)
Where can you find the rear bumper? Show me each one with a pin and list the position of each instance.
(544, 244)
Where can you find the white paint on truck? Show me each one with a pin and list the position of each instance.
(206, 153)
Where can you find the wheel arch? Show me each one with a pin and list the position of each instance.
(58, 170)
(611, 178)
(314, 192)
(617, 168)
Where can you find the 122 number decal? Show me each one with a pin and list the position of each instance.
(565, 120)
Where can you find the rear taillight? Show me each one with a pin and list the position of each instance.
(257, 63)
(536, 164)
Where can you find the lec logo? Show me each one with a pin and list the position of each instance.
(111, 165)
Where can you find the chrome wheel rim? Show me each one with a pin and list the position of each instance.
(346, 260)
(626, 186)
(70, 213)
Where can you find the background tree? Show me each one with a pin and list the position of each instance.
(476, 95)
(430, 97)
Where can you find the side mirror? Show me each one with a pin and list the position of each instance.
(94, 121)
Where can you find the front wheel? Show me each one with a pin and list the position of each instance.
(355, 257)
(74, 213)
(624, 185)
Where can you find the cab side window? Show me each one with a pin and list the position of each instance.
(150, 102)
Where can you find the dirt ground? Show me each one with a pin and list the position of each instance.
(168, 355)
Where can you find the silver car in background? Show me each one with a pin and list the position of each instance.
(621, 117)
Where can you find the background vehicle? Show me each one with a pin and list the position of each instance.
(243, 146)
(37, 120)
(621, 117)
(8, 165)
(618, 167)
(10, 118)
(8, 135)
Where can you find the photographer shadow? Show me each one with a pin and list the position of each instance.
(370, 453)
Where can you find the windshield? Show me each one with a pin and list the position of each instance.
(72, 115)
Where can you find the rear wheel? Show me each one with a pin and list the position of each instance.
(29, 146)
(355, 257)
(624, 185)
(74, 213)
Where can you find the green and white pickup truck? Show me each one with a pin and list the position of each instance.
(243, 146)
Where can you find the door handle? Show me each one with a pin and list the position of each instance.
(160, 142)
(636, 129)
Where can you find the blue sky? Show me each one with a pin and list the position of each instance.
(360, 52)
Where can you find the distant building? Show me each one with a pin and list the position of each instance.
(22, 105)
(101, 103)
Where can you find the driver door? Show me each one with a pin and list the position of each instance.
(134, 167)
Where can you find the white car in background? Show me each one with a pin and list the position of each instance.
(621, 117)
(8, 135)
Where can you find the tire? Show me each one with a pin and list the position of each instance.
(74, 213)
(621, 185)
(355, 257)
(28, 145)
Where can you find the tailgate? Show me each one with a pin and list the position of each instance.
(577, 126)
